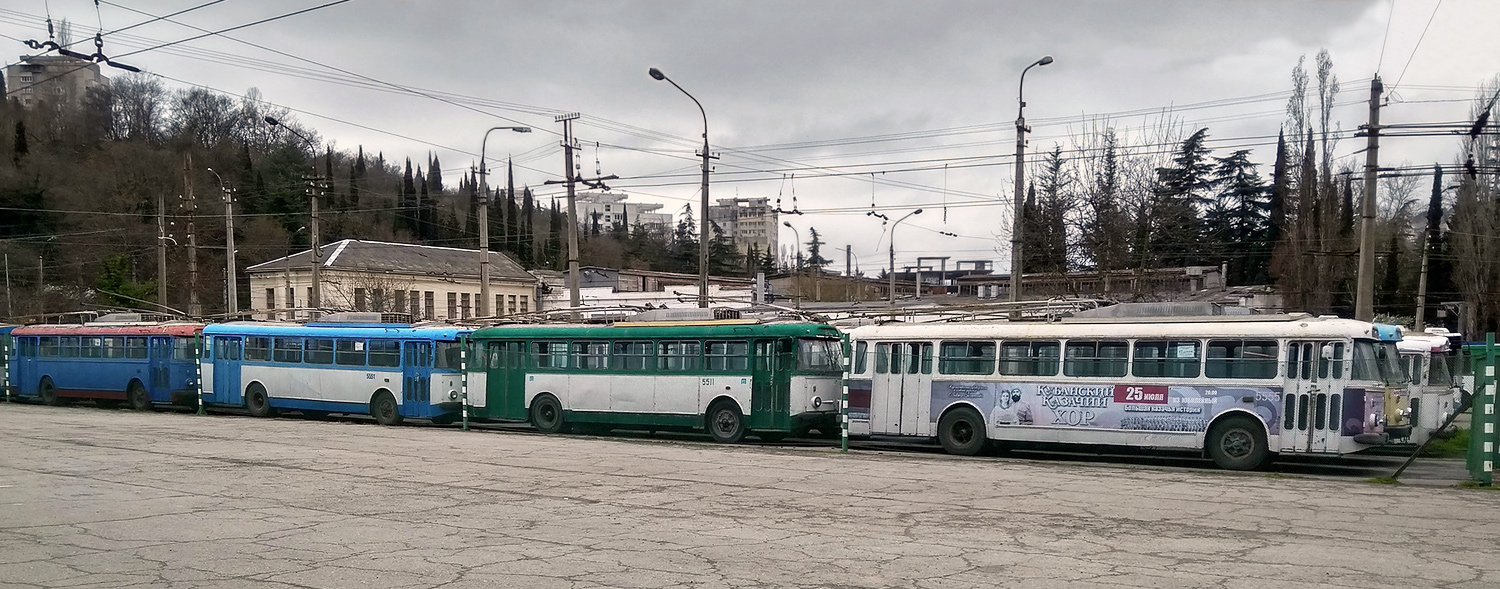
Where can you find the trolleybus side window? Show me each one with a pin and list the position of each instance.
(135, 347)
(631, 356)
(49, 346)
(349, 352)
(288, 349)
(1029, 358)
(184, 348)
(114, 347)
(1166, 359)
(92, 348)
(591, 355)
(1095, 358)
(727, 356)
(1243, 358)
(318, 351)
(921, 358)
(549, 354)
(385, 353)
(67, 346)
(449, 356)
(678, 356)
(258, 349)
(860, 362)
(966, 358)
(1332, 367)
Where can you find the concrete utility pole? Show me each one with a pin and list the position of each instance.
(484, 225)
(232, 293)
(1364, 298)
(161, 250)
(1016, 225)
(568, 175)
(195, 309)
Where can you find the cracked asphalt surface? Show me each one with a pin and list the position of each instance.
(92, 498)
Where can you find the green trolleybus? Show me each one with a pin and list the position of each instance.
(728, 377)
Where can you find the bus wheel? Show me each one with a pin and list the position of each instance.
(48, 393)
(257, 402)
(1237, 443)
(546, 414)
(385, 409)
(725, 423)
(961, 432)
(137, 397)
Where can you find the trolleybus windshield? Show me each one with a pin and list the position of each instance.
(823, 355)
(1377, 361)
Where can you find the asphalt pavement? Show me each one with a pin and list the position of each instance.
(95, 498)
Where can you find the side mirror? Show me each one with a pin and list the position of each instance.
(1327, 351)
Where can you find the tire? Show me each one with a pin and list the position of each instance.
(137, 397)
(47, 392)
(1238, 443)
(725, 423)
(258, 402)
(546, 414)
(961, 432)
(385, 410)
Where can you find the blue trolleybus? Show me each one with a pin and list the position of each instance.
(351, 363)
(117, 358)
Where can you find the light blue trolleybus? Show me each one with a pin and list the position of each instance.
(376, 364)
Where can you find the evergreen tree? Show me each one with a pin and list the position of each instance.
(1105, 239)
(1181, 189)
(435, 176)
(1052, 201)
(1238, 221)
(20, 149)
(426, 211)
(408, 206)
(555, 253)
(356, 177)
(815, 257)
(527, 230)
(685, 242)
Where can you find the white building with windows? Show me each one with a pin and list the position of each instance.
(612, 211)
(428, 282)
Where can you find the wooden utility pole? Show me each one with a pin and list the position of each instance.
(1364, 297)
(195, 308)
(314, 189)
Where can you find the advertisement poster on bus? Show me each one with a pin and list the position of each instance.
(1108, 406)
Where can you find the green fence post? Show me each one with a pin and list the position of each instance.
(1481, 456)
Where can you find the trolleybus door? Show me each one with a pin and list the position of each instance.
(902, 387)
(505, 397)
(160, 366)
(1311, 396)
(770, 384)
(416, 378)
(25, 377)
(226, 368)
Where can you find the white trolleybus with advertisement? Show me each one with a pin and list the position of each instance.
(1241, 389)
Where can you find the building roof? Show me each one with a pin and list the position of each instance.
(401, 258)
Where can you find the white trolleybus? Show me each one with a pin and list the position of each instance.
(353, 363)
(1239, 388)
(1430, 365)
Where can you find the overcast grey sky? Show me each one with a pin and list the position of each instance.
(843, 75)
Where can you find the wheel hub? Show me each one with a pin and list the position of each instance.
(1238, 444)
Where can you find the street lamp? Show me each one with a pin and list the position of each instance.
(797, 268)
(484, 224)
(1016, 228)
(703, 207)
(314, 185)
(233, 300)
(893, 254)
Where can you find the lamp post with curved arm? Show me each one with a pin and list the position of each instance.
(314, 190)
(482, 309)
(703, 207)
(893, 254)
(1016, 228)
